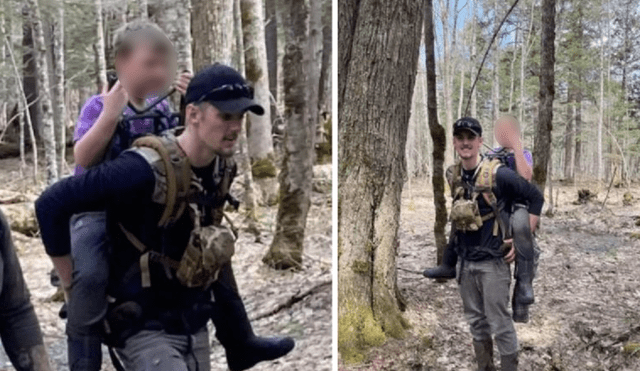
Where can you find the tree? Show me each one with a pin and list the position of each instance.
(271, 40)
(379, 47)
(40, 53)
(29, 79)
(542, 143)
(99, 48)
(256, 72)
(438, 135)
(212, 29)
(324, 91)
(60, 111)
(300, 84)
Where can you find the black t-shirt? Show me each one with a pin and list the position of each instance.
(510, 187)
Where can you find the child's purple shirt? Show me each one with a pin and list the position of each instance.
(93, 107)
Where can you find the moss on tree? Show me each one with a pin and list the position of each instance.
(357, 331)
(263, 168)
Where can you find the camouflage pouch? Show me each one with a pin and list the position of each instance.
(466, 215)
(209, 249)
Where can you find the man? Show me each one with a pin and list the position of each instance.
(513, 155)
(482, 189)
(158, 318)
(19, 327)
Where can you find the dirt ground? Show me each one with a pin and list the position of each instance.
(587, 291)
(296, 304)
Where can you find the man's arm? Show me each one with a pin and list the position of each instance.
(513, 187)
(123, 181)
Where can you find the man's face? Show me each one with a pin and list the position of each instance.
(467, 144)
(218, 130)
(145, 70)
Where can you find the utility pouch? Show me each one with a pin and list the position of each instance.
(466, 215)
(209, 249)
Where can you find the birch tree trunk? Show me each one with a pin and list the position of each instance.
(297, 167)
(29, 73)
(379, 45)
(40, 53)
(101, 62)
(256, 72)
(212, 29)
(60, 113)
(600, 165)
(542, 141)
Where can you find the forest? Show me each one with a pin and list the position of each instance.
(55, 54)
(567, 70)
(597, 85)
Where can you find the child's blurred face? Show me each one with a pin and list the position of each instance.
(145, 70)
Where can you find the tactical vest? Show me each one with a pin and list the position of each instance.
(179, 190)
(465, 213)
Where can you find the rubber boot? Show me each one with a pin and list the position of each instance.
(520, 311)
(484, 355)
(524, 282)
(242, 347)
(85, 353)
(446, 270)
(509, 362)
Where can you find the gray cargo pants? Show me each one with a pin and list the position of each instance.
(158, 351)
(484, 288)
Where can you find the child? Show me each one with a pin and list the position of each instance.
(145, 64)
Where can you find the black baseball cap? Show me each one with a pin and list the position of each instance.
(224, 88)
(468, 124)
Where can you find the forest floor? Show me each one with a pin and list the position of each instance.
(586, 314)
(296, 304)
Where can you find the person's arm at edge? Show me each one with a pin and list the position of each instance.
(93, 190)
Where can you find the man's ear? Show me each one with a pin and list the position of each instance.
(193, 114)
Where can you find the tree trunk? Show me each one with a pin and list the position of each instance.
(255, 57)
(437, 136)
(447, 42)
(212, 29)
(379, 47)
(29, 73)
(324, 89)
(600, 155)
(568, 134)
(495, 88)
(474, 96)
(40, 53)
(101, 62)
(542, 142)
(60, 113)
(271, 40)
(300, 84)
(143, 9)
(250, 204)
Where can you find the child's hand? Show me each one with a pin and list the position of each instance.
(183, 81)
(115, 100)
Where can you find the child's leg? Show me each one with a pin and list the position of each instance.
(525, 262)
(447, 269)
(88, 300)
(243, 348)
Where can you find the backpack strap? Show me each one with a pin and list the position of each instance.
(484, 183)
(176, 170)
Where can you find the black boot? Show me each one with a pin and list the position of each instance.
(524, 282)
(484, 355)
(85, 353)
(520, 311)
(509, 362)
(242, 347)
(446, 270)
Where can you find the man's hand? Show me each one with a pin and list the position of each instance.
(115, 100)
(510, 256)
(183, 81)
